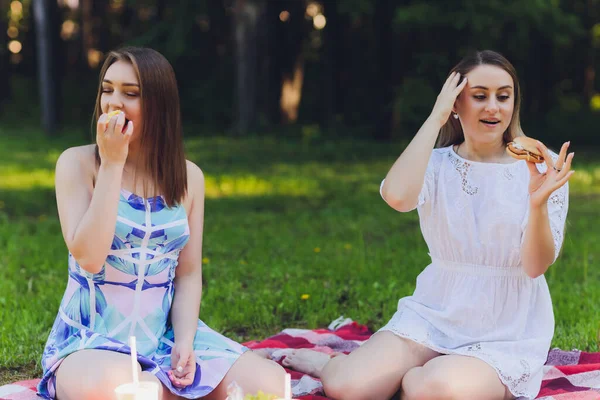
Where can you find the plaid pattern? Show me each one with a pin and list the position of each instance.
(568, 375)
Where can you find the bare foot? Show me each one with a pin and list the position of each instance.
(307, 361)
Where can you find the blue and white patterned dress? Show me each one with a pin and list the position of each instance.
(132, 295)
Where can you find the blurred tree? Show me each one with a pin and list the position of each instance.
(47, 24)
(95, 32)
(247, 15)
(5, 68)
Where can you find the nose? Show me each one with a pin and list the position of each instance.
(115, 103)
(492, 106)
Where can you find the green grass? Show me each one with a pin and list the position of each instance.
(284, 218)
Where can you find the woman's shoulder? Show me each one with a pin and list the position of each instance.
(195, 178)
(80, 157)
(193, 171)
(438, 153)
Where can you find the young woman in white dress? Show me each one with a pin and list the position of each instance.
(480, 322)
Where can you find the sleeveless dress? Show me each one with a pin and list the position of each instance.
(474, 298)
(132, 295)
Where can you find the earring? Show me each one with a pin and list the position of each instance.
(455, 116)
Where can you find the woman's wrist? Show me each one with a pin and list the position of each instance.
(537, 206)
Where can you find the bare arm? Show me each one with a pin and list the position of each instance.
(188, 274)
(405, 179)
(88, 214)
(538, 250)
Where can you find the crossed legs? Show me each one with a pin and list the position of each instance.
(387, 363)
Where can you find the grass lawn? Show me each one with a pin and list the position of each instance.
(295, 236)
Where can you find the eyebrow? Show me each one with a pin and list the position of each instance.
(125, 84)
(484, 88)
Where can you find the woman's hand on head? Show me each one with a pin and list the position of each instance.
(542, 185)
(447, 97)
(113, 142)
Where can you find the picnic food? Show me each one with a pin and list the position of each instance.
(524, 148)
(112, 114)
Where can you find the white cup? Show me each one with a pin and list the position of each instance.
(139, 391)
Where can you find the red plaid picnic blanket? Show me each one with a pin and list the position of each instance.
(568, 375)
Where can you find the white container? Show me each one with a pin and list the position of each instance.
(137, 391)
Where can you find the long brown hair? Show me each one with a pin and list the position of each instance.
(161, 139)
(451, 132)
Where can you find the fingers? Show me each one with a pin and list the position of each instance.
(562, 155)
(533, 171)
(450, 78)
(183, 379)
(102, 123)
(111, 124)
(460, 87)
(119, 123)
(566, 167)
(564, 179)
(114, 122)
(174, 359)
(546, 154)
(129, 130)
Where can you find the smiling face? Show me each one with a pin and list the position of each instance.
(121, 92)
(486, 105)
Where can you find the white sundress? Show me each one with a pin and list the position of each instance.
(474, 299)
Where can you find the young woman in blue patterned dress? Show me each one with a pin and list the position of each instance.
(131, 210)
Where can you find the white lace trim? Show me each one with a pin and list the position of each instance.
(475, 351)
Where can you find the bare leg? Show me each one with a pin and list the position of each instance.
(373, 371)
(308, 361)
(94, 375)
(252, 373)
(454, 377)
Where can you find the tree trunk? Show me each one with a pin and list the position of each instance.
(292, 63)
(590, 65)
(5, 67)
(384, 91)
(332, 45)
(246, 16)
(45, 14)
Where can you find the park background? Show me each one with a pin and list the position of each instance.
(295, 110)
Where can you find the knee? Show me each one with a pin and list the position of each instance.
(417, 385)
(102, 383)
(272, 378)
(267, 375)
(340, 387)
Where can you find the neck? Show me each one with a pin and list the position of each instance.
(133, 157)
(483, 152)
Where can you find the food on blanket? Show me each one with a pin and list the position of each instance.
(260, 396)
(141, 390)
(524, 148)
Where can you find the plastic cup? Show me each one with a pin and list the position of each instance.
(139, 391)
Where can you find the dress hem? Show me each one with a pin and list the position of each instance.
(517, 394)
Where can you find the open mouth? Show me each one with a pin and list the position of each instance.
(490, 122)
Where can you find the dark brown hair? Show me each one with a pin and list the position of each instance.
(452, 133)
(161, 139)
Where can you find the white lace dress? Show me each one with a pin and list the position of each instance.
(474, 299)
